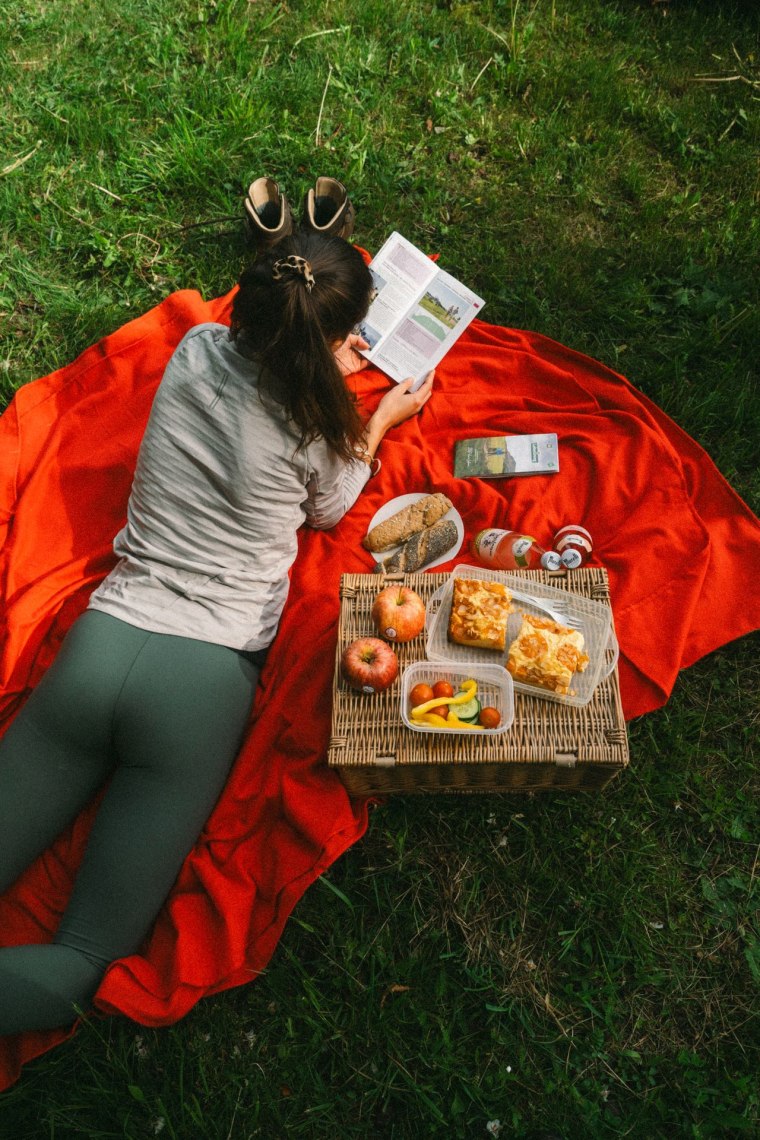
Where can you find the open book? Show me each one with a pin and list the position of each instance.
(417, 314)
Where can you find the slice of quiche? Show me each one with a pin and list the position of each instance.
(479, 612)
(546, 654)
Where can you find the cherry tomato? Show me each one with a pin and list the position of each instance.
(443, 689)
(489, 717)
(441, 710)
(421, 693)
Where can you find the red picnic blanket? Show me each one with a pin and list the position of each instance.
(682, 551)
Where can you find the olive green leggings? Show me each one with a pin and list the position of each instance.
(160, 718)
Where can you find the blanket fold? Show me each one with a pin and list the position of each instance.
(681, 548)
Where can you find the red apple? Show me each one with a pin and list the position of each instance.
(369, 665)
(398, 613)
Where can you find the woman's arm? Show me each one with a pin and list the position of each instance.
(335, 486)
(396, 406)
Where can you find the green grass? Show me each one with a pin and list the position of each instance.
(587, 965)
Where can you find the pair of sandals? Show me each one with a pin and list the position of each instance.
(327, 209)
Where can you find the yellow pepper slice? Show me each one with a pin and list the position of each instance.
(467, 691)
(451, 721)
(433, 719)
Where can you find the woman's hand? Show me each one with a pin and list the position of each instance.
(347, 354)
(396, 406)
(400, 403)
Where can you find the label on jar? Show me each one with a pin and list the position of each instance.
(486, 541)
(573, 540)
(521, 550)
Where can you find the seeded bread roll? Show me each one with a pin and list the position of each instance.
(407, 522)
(420, 549)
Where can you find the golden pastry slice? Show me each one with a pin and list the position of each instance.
(479, 612)
(546, 654)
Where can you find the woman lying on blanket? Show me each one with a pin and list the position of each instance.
(251, 434)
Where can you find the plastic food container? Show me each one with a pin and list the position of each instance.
(593, 619)
(495, 689)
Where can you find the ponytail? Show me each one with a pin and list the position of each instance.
(294, 303)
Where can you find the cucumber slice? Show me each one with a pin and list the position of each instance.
(468, 711)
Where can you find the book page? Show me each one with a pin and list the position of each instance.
(435, 320)
(417, 314)
(400, 272)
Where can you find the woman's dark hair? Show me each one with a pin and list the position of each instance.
(290, 327)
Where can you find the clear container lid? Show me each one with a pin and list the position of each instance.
(593, 619)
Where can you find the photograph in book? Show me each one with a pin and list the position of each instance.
(364, 328)
(417, 313)
(366, 331)
(438, 312)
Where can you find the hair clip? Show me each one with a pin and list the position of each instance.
(294, 264)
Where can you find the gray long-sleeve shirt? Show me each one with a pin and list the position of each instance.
(219, 492)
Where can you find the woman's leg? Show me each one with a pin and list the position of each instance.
(53, 758)
(57, 752)
(178, 724)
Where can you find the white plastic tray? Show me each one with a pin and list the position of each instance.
(495, 689)
(594, 620)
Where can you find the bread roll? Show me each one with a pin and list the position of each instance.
(420, 549)
(407, 522)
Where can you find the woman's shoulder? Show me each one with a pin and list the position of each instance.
(207, 333)
(205, 348)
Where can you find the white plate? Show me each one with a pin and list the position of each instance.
(593, 618)
(398, 504)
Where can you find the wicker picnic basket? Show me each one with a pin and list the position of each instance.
(549, 747)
